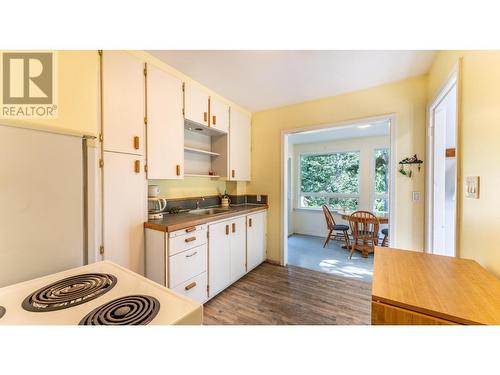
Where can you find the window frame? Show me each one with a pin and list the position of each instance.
(376, 195)
(300, 193)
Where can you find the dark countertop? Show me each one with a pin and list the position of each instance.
(182, 220)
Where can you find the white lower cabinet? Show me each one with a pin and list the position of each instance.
(200, 262)
(195, 288)
(256, 239)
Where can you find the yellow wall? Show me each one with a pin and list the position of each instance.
(479, 132)
(407, 99)
(77, 95)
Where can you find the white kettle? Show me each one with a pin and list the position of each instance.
(156, 205)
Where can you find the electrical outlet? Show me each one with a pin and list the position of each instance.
(415, 196)
(472, 187)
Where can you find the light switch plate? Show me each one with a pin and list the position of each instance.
(259, 198)
(472, 187)
(415, 196)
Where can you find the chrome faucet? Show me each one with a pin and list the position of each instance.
(198, 202)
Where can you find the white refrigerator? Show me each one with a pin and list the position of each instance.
(43, 209)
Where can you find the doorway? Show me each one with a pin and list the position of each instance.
(308, 184)
(442, 176)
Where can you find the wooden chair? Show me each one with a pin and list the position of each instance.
(364, 227)
(385, 240)
(340, 229)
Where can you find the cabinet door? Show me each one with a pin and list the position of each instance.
(256, 239)
(195, 104)
(125, 210)
(123, 103)
(239, 146)
(238, 248)
(165, 129)
(219, 261)
(219, 115)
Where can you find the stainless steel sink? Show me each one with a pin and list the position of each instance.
(208, 211)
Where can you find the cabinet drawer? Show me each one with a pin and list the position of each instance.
(187, 241)
(188, 264)
(188, 230)
(195, 288)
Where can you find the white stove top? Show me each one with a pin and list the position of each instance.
(173, 308)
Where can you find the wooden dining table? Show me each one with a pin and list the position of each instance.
(383, 218)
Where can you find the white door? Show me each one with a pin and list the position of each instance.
(125, 210)
(256, 239)
(238, 248)
(195, 104)
(219, 115)
(123, 103)
(219, 261)
(165, 129)
(239, 146)
(441, 218)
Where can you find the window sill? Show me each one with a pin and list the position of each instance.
(315, 209)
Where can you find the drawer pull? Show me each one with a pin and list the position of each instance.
(227, 230)
(137, 166)
(189, 256)
(234, 227)
(250, 222)
(136, 142)
(190, 239)
(190, 286)
(190, 229)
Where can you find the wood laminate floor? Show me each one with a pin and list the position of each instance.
(272, 294)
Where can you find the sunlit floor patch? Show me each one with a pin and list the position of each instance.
(308, 252)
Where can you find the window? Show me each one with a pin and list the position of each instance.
(331, 179)
(381, 189)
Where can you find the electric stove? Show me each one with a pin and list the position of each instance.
(102, 293)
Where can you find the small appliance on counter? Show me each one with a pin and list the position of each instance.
(156, 206)
(153, 191)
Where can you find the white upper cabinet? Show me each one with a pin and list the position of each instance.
(219, 115)
(165, 125)
(239, 146)
(195, 104)
(123, 103)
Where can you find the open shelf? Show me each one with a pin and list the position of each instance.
(199, 151)
(200, 175)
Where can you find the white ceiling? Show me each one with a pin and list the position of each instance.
(259, 80)
(374, 129)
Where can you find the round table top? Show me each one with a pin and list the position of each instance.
(383, 218)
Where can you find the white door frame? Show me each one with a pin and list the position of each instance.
(452, 81)
(284, 175)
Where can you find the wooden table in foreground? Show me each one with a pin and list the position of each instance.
(414, 288)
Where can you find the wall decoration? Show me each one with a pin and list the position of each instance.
(406, 165)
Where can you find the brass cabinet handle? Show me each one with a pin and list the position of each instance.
(136, 142)
(205, 114)
(214, 120)
(250, 222)
(234, 227)
(189, 256)
(190, 286)
(190, 229)
(137, 166)
(178, 170)
(233, 173)
(227, 230)
(190, 239)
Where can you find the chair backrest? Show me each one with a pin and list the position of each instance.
(328, 217)
(364, 226)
